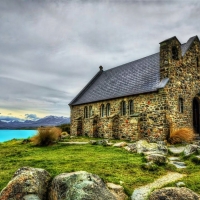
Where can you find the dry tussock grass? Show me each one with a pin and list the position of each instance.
(46, 136)
(181, 135)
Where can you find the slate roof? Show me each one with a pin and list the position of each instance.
(186, 46)
(137, 77)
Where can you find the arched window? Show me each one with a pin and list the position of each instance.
(180, 105)
(108, 109)
(90, 111)
(123, 108)
(130, 107)
(174, 53)
(102, 110)
(85, 112)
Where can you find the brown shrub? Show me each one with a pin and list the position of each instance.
(46, 136)
(181, 135)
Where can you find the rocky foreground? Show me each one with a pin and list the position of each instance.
(37, 184)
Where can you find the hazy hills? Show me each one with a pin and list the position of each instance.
(46, 121)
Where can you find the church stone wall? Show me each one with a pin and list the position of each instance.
(148, 120)
(154, 113)
(184, 76)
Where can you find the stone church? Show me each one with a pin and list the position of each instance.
(143, 98)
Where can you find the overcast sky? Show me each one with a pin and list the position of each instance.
(49, 50)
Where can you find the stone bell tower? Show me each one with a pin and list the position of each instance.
(170, 53)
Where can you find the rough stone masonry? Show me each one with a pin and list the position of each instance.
(142, 99)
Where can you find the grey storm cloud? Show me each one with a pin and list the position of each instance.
(50, 49)
(31, 117)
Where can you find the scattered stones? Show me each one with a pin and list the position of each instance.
(120, 144)
(69, 143)
(131, 147)
(174, 193)
(174, 159)
(117, 191)
(101, 142)
(27, 183)
(191, 149)
(93, 142)
(176, 150)
(177, 162)
(144, 146)
(157, 158)
(31, 197)
(180, 184)
(79, 185)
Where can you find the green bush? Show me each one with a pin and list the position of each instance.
(46, 136)
(65, 128)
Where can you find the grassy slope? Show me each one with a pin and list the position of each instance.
(110, 163)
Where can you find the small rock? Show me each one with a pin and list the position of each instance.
(150, 166)
(176, 150)
(157, 158)
(117, 191)
(31, 197)
(93, 142)
(174, 158)
(178, 164)
(190, 149)
(103, 142)
(180, 184)
(174, 193)
(120, 144)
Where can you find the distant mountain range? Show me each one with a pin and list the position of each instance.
(46, 121)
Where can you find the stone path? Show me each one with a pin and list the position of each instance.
(74, 142)
(176, 150)
(142, 193)
(176, 162)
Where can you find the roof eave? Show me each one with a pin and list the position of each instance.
(83, 90)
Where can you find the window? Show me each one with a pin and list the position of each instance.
(108, 109)
(197, 60)
(86, 112)
(130, 107)
(102, 110)
(90, 111)
(123, 108)
(174, 53)
(181, 105)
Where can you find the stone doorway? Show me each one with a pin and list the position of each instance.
(196, 123)
(95, 127)
(115, 128)
(79, 127)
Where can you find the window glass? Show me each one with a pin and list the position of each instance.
(130, 107)
(108, 109)
(181, 105)
(123, 108)
(102, 110)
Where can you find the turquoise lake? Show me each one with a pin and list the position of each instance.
(6, 135)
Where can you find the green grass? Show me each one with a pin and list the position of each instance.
(110, 163)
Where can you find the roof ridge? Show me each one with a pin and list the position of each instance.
(131, 62)
(189, 43)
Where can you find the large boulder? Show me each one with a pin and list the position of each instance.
(80, 186)
(174, 193)
(28, 184)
